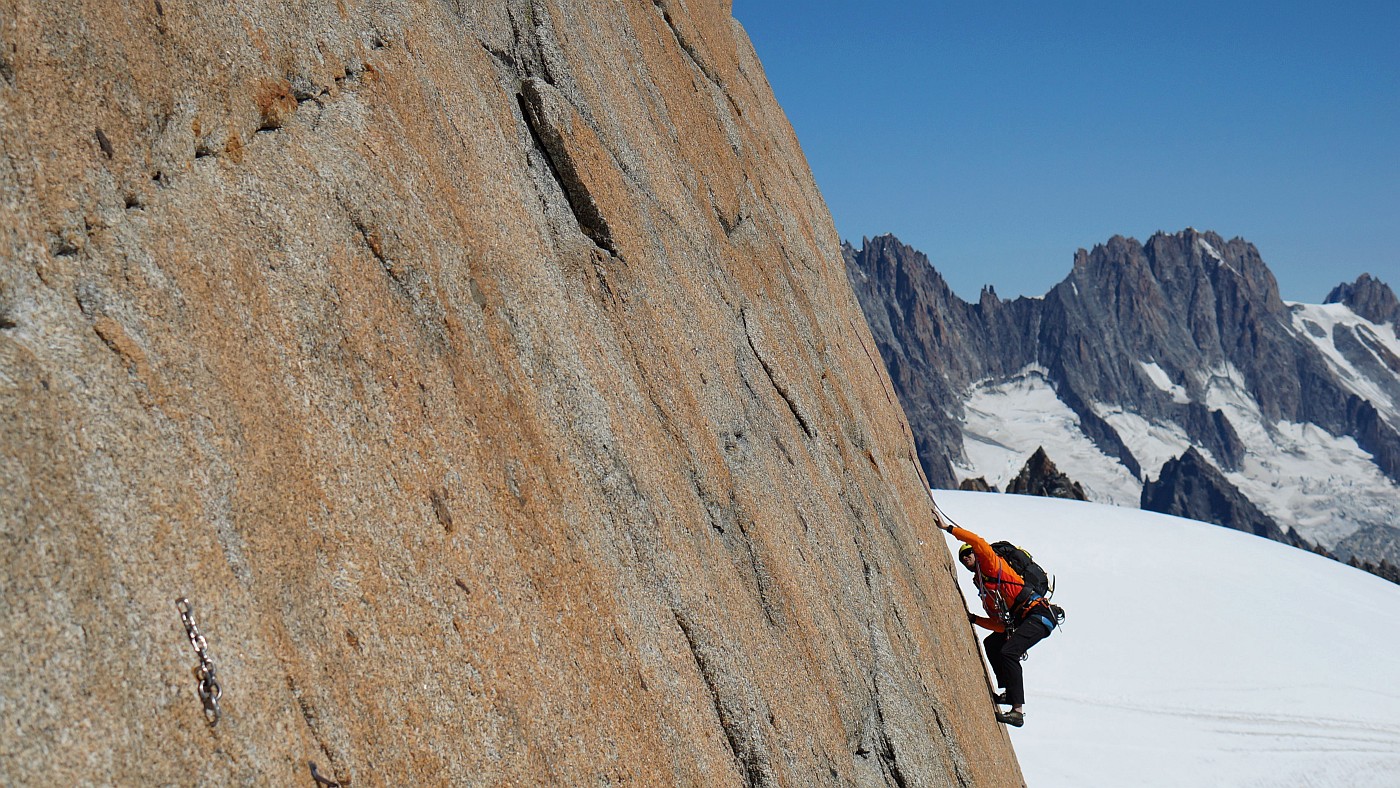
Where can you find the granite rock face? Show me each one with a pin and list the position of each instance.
(486, 376)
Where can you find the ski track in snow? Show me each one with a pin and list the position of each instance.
(1318, 731)
(1194, 655)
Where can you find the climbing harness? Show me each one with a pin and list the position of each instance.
(209, 689)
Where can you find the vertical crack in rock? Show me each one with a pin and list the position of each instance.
(529, 45)
(440, 510)
(132, 357)
(313, 723)
(406, 281)
(762, 576)
(748, 758)
(884, 748)
(104, 143)
(961, 771)
(375, 244)
(503, 58)
(728, 521)
(546, 114)
(722, 517)
(773, 377)
(724, 102)
(686, 46)
(730, 224)
(763, 581)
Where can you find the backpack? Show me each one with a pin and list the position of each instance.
(1025, 566)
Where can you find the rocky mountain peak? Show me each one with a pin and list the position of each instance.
(1040, 477)
(1368, 297)
(1189, 486)
(1181, 341)
(1189, 300)
(934, 344)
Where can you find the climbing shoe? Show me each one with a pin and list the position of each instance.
(1013, 718)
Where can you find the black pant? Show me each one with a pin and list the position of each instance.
(1004, 652)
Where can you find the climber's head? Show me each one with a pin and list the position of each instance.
(966, 557)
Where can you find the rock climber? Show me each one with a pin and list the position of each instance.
(1018, 617)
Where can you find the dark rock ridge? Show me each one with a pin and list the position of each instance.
(1369, 297)
(1189, 302)
(1382, 568)
(1373, 544)
(1089, 332)
(1040, 477)
(977, 484)
(933, 343)
(1189, 486)
(1169, 302)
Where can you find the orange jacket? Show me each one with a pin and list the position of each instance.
(997, 583)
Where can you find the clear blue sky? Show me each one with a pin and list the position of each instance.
(999, 137)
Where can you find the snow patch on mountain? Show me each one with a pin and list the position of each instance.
(1226, 390)
(1261, 665)
(1163, 381)
(1299, 474)
(1005, 422)
(1152, 443)
(1209, 250)
(1319, 323)
(1325, 487)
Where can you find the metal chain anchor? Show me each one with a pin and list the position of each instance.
(209, 689)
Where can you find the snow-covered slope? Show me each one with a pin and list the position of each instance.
(1364, 356)
(1324, 486)
(1194, 655)
(1005, 422)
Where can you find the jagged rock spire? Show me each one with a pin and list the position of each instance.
(1041, 477)
(1368, 297)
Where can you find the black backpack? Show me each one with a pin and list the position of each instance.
(1025, 566)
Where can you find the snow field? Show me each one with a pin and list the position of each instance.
(1196, 655)
(1300, 475)
(1004, 423)
(1162, 381)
